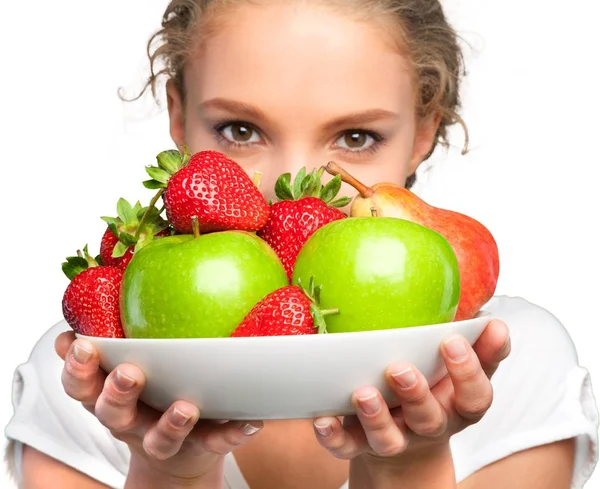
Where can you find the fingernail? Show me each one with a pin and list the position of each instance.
(370, 404)
(81, 354)
(123, 382)
(405, 378)
(179, 418)
(456, 349)
(249, 430)
(323, 427)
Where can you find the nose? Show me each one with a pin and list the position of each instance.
(289, 160)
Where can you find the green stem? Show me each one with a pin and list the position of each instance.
(144, 219)
(329, 312)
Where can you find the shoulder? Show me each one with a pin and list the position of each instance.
(541, 394)
(537, 335)
(48, 420)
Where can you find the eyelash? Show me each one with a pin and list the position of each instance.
(378, 139)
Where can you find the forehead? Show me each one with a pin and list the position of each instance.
(298, 55)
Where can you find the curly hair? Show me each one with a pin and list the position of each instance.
(431, 44)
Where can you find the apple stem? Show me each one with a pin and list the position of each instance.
(373, 211)
(334, 169)
(196, 226)
(256, 178)
(146, 215)
(329, 312)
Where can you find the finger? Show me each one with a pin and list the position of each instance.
(63, 342)
(472, 388)
(493, 346)
(384, 437)
(81, 377)
(224, 438)
(165, 438)
(422, 412)
(341, 442)
(117, 407)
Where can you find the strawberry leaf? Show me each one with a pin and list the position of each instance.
(318, 319)
(113, 224)
(158, 174)
(89, 258)
(154, 185)
(329, 191)
(341, 202)
(299, 183)
(170, 161)
(74, 266)
(119, 250)
(127, 239)
(283, 190)
(125, 211)
(111, 220)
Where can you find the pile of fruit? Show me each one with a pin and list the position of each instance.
(224, 262)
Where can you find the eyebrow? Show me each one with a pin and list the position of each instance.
(235, 107)
(246, 110)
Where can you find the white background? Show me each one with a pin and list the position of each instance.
(70, 149)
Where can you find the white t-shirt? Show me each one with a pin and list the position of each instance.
(541, 393)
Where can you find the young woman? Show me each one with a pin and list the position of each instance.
(278, 85)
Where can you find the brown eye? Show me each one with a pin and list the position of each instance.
(240, 133)
(355, 141)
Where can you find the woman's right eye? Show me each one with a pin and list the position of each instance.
(239, 133)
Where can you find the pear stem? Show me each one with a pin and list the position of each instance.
(373, 211)
(256, 178)
(146, 215)
(334, 169)
(196, 226)
(329, 312)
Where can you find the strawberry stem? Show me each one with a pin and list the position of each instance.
(334, 169)
(146, 215)
(329, 312)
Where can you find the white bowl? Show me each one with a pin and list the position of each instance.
(280, 377)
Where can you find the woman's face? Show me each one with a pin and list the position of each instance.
(289, 85)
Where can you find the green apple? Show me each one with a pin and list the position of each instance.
(381, 273)
(197, 287)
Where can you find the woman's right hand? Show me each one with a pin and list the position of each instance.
(174, 443)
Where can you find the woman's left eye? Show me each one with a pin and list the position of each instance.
(356, 140)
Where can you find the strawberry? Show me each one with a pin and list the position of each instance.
(212, 187)
(91, 302)
(131, 230)
(290, 310)
(300, 211)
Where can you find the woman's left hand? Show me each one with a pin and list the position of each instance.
(426, 416)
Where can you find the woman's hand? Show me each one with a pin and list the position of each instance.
(426, 417)
(174, 443)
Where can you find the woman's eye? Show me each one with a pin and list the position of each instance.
(355, 140)
(240, 133)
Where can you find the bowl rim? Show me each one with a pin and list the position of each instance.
(288, 338)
